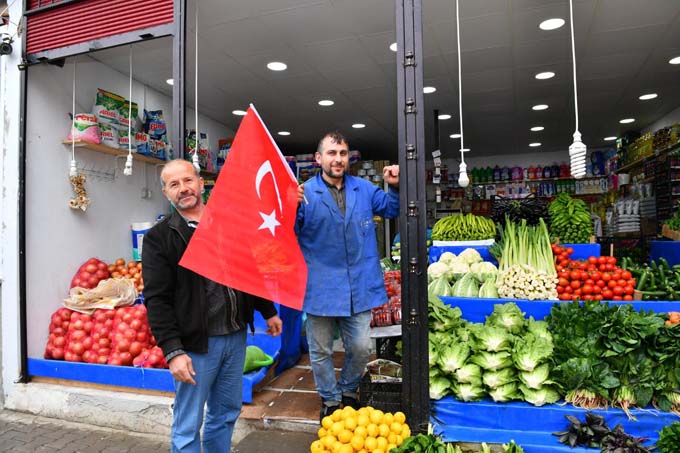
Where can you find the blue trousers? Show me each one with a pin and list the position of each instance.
(219, 382)
(355, 334)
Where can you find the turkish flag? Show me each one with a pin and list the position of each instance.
(245, 238)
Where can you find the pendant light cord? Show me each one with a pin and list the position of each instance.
(197, 146)
(460, 86)
(573, 58)
(73, 114)
(127, 171)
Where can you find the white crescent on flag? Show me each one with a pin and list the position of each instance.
(268, 220)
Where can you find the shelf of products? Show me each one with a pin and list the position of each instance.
(641, 161)
(121, 152)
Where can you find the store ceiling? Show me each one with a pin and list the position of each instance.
(338, 49)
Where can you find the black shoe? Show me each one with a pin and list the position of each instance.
(327, 408)
(350, 401)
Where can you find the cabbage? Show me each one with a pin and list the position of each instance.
(504, 393)
(433, 354)
(469, 392)
(488, 290)
(508, 316)
(457, 267)
(469, 374)
(539, 329)
(492, 361)
(544, 395)
(536, 378)
(530, 351)
(492, 339)
(453, 356)
(439, 387)
(483, 271)
(494, 379)
(438, 269)
(470, 256)
(439, 287)
(447, 257)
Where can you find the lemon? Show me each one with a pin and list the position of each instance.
(362, 411)
(337, 446)
(376, 417)
(337, 415)
(370, 444)
(388, 418)
(391, 446)
(336, 428)
(328, 442)
(347, 448)
(384, 430)
(400, 440)
(399, 417)
(316, 447)
(392, 438)
(357, 442)
(373, 430)
(378, 450)
(396, 427)
(361, 431)
(322, 433)
(351, 423)
(326, 422)
(382, 443)
(345, 436)
(363, 420)
(348, 411)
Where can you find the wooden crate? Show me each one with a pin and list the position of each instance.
(670, 234)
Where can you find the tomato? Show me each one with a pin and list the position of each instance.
(78, 335)
(587, 289)
(601, 284)
(104, 342)
(602, 260)
(127, 318)
(58, 353)
(123, 345)
(130, 334)
(87, 342)
(609, 267)
(597, 289)
(575, 284)
(135, 348)
(617, 298)
(563, 296)
(577, 292)
(563, 282)
(626, 275)
(575, 275)
(629, 290)
(606, 277)
(592, 260)
(611, 260)
(588, 297)
(612, 284)
(618, 291)
(627, 297)
(590, 281)
(570, 250)
(602, 267)
(607, 294)
(596, 276)
(142, 336)
(102, 359)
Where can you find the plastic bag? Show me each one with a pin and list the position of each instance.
(109, 293)
(256, 358)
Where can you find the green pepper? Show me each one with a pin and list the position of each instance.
(643, 280)
(664, 263)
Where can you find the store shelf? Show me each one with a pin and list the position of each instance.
(121, 152)
(536, 180)
(656, 154)
(114, 151)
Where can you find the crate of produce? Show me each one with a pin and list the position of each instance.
(385, 396)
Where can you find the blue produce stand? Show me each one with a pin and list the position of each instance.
(528, 425)
(584, 251)
(581, 251)
(670, 250)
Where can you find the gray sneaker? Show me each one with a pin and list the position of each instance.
(327, 408)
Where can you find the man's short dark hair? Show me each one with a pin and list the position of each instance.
(336, 137)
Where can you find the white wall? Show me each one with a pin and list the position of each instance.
(58, 238)
(672, 117)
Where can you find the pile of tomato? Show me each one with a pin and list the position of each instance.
(597, 278)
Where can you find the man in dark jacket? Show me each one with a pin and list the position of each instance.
(200, 325)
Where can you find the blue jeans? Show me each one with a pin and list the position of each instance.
(355, 334)
(219, 382)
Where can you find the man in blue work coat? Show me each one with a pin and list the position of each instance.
(336, 233)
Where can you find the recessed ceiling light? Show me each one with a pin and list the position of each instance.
(545, 75)
(358, 125)
(551, 24)
(428, 90)
(534, 145)
(609, 139)
(170, 82)
(326, 102)
(444, 116)
(283, 133)
(675, 60)
(627, 120)
(239, 112)
(537, 128)
(277, 66)
(454, 135)
(393, 47)
(646, 97)
(540, 107)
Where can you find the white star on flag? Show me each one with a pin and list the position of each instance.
(269, 221)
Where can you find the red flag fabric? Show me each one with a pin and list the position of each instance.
(245, 238)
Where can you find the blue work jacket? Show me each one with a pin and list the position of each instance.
(343, 266)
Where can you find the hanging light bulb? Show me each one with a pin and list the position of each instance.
(73, 169)
(577, 150)
(194, 160)
(127, 171)
(577, 155)
(463, 179)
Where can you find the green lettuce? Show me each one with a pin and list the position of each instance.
(539, 397)
(469, 373)
(492, 339)
(508, 316)
(507, 392)
(453, 356)
(492, 361)
(469, 392)
(530, 351)
(495, 379)
(536, 378)
(439, 387)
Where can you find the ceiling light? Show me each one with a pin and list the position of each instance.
(283, 133)
(239, 112)
(540, 107)
(537, 128)
(545, 75)
(551, 24)
(326, 102)
(444, 116)
(675, 60)
(428, 90)
(534, 145)
(454, 135)
(646, 97)
(393, 47)
(358, 125)
(170, 82)
(277, 66)
(609, 139)
(627, 120)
